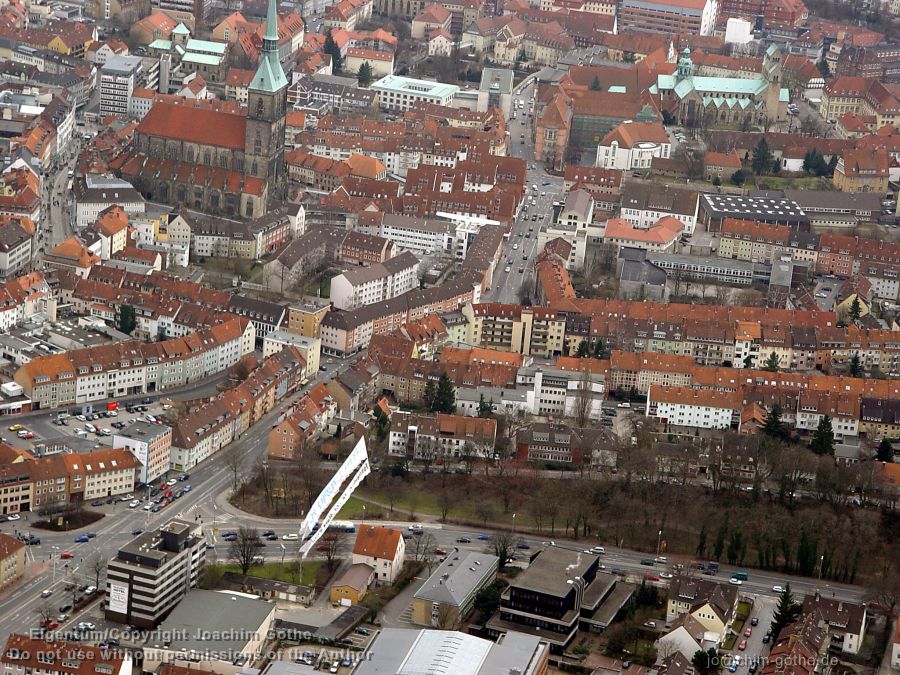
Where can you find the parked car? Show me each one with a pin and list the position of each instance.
(743, 645)
(754, 621)
(748, 631)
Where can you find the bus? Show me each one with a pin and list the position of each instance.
(342, 526)
(740, 576)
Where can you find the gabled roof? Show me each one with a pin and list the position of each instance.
(377, 542)
(195, 125)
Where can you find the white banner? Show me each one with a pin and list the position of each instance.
(118, 598)
(356, 458)
(336, 507)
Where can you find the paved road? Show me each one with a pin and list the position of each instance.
(520, 250)
(19, 606)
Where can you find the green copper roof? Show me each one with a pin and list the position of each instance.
(164, 45)
(206, 46)
(269, 75)
(181, 29)
(784, 96)
(715, 86)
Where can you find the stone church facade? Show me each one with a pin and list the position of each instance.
(211, 160)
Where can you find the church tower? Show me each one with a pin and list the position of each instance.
(267, 104)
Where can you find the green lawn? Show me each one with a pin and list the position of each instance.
(353, 510)
(794, 183)
(642, 651)
(417, 499)
(281, 572)
(743, 611)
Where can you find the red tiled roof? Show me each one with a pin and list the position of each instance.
(196, 125)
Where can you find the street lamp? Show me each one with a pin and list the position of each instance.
(514, 524)
(364, 514)
(658, 541)
(283, 551)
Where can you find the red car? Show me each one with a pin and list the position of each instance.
(748, 632)
(743, 645)
(440, 551)
(66, 555)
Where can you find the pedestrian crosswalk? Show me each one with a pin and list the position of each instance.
(406, 615)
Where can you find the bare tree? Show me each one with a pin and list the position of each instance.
(484, 510)
(46, 612)
(582, 409)
(97, 565)
(331, 543)
(446, 500)
(422, 546)
(468, 456)
(234, 460)
(242, 549)
(447, 617)
(312, 479)
(504, 546)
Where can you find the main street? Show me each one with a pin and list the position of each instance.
(19, 605)
(520, 250)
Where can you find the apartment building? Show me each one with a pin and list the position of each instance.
(556, 442)
(151, 444)
(752, 240)
(23, 653)
(346, 332)
(446, 436)
(419, 235)
(119, 77)
(645, 203)
(525, 330)
(381, 548)
(712, 604)
(150, 575)
(378, 282)
(129, 368)
(12, 560)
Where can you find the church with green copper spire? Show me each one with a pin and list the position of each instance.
(267, 106)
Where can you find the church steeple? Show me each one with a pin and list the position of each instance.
(269, 75)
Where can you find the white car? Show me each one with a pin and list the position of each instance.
(148, 506)
(292, 536)
(133, 504)
(735, 582)
(598, 550)
(624, 405)
(777, 589)
(171, 482)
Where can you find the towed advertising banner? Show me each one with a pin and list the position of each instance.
(358, 477)
(357, 459)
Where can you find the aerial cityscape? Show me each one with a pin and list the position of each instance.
(451, 337)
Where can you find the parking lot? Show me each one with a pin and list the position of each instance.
(81, 428)
(826, 292)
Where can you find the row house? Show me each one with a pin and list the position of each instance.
(304, 422)
(346, 332)
(217, 423)
(54, 482)
(441, 435)
(130, 368)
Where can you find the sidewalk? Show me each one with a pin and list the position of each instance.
(226, 507)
